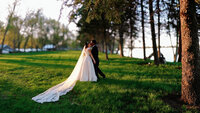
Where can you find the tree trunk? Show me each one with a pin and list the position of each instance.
(105, 44)
(19, 38)
(102, 43)
(151, 13)
(18, 46)
(113, 45)
(25, 44)
(131, 33)
(4, 37)
(8, 24)
(110, 46)
(121, 41)
(32, 43)
(143, 32)
(158, 12)
(106, 51)
(131, 48)
(18, 41)
(190, 90)
(14, 44)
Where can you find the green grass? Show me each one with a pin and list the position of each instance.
(129, 86)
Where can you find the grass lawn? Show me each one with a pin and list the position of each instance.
(129, 87)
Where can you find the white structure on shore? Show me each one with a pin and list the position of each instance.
(6, 49)
(49, 47)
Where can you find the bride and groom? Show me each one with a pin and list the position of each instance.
(86, 69)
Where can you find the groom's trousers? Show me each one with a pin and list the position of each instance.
(98, 71)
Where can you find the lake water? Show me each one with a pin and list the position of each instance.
(138, 53)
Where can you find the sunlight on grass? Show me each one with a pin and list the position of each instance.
(129, 87)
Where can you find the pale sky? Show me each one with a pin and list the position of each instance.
(50, 8)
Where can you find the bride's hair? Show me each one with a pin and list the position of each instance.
(86, 44)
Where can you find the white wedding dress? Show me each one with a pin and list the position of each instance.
(83, 71)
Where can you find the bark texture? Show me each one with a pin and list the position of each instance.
(190, 89)
(143, 31)
(151, 13)
(159, 24)
(121, 41)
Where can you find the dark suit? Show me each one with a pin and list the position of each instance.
(95, 54)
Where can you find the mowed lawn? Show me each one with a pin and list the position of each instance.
(130, 86)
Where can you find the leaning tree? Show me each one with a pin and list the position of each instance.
(10, 16)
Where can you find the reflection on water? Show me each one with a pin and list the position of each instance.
(138, 53)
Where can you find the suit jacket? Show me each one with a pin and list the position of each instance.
(95, 54)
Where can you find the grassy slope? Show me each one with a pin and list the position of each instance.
(129, 86)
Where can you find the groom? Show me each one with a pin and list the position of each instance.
(96, 57)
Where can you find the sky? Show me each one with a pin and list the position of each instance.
(50, 8)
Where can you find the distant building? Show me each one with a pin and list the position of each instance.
(6, 49)
(49, 47)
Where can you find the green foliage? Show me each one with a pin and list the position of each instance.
(129, 87)
(105, 21)
(34, 31)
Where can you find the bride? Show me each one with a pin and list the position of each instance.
(83, 71)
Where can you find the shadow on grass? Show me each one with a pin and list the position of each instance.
(26, 63)
(35, 53)
(44, 58)
(141, 74)
(144, 85)
(125, 61)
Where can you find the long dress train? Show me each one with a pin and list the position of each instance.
(83, 71)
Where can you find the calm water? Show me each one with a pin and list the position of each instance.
(138, 53)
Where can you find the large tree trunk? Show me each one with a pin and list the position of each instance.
(151, 13)
(190, 90)
(143, 32)
(158, 12)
